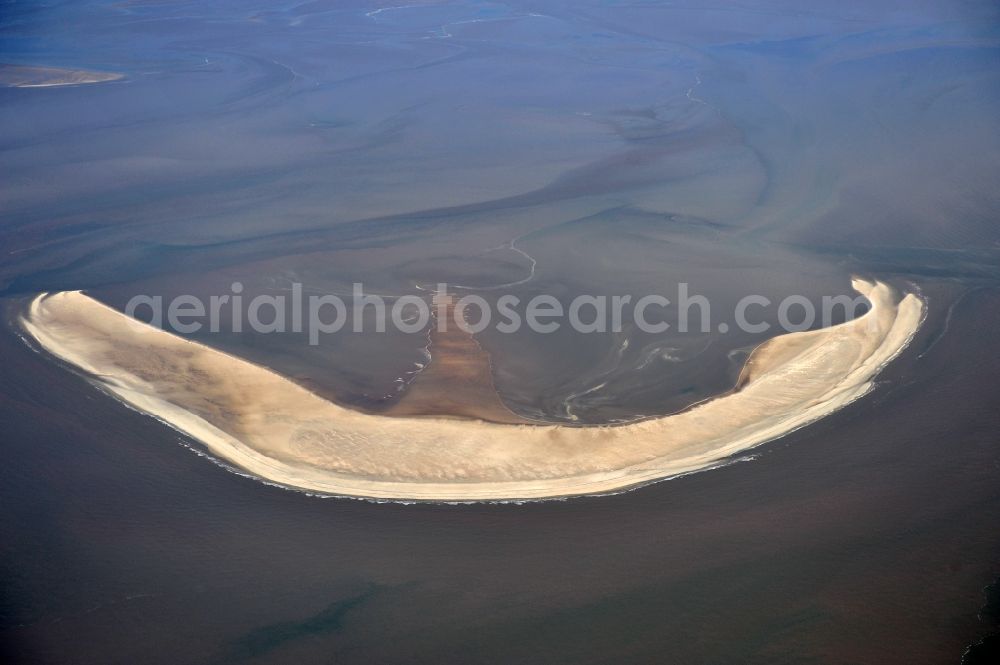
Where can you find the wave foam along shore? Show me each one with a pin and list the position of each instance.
(277, 430)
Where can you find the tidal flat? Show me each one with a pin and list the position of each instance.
(563, 148)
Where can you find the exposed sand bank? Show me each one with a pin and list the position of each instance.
(275, 429)
(28, 76)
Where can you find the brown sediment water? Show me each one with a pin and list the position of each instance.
(457, 379)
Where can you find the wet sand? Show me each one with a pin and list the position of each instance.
(279, 431)
(457, 378)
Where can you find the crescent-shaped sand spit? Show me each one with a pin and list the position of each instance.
(279, 431)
